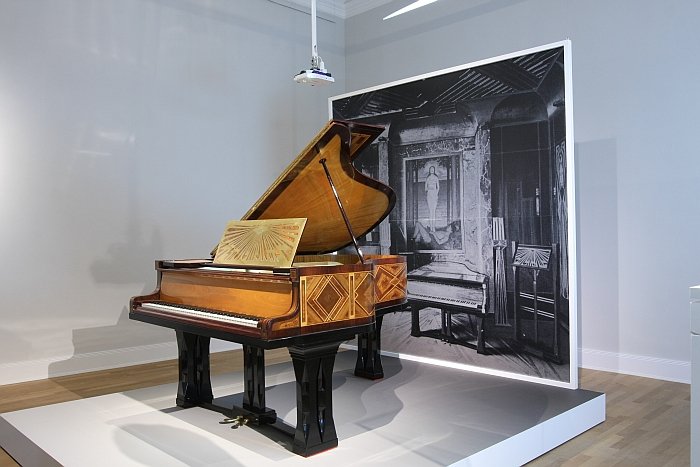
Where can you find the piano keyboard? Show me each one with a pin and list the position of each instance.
(466, 296)
(201, 313)
(444, 300)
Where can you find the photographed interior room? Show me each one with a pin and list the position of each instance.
(349, 232)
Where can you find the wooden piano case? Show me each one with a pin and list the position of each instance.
(310, 308)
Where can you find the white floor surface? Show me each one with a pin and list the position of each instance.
(418, 415)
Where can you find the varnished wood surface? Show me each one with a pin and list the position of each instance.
(303, 300)
(647, 424)
(236, 293)
(303, 190)
(648, 420)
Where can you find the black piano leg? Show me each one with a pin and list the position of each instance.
(254, 391)
(369, 360)
(481, 337)
(446, 327)
(254, 376)
(194, 387)
(313, 369)
(415, 323)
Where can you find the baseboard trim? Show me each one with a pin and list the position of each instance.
(30, 370)
(64, 365)
(637, 365)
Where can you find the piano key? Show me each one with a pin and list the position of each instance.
(201, 313)
(447, 301)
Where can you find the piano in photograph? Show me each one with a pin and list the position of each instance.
(452, 288)
(310, 307)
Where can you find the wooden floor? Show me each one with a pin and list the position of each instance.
(648, 420)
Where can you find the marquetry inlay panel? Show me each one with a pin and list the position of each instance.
(390, 282)
(327, 298)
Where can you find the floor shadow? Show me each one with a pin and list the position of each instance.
(182, 445)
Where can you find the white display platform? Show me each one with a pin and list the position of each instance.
(418, 415)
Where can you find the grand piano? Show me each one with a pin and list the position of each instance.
(311, 307)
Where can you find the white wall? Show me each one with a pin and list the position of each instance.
(132, 130)
(635, 69)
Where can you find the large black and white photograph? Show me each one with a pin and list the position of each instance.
(480, 158)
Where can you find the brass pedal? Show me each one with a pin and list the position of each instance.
(235, 422)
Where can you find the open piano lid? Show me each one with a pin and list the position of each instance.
(303, 190)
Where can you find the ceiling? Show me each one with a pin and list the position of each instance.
(416, 99)
(342, 8)
(355, 7)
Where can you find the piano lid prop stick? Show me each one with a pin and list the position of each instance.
(342, 211)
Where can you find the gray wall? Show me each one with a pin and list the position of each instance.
(637, 169)
(132, 130)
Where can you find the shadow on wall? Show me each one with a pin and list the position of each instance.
(110, 346)
(97, 347)
(596, 173)
(123, 261)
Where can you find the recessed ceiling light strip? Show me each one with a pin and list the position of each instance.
(411, 7)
